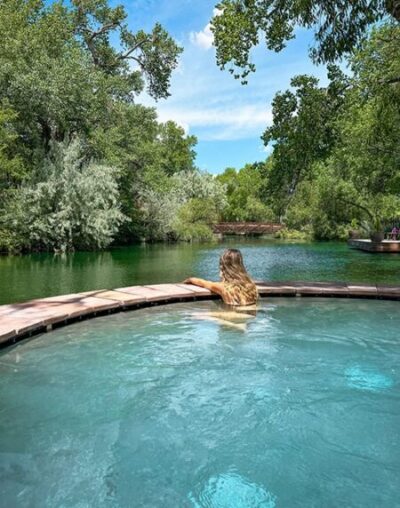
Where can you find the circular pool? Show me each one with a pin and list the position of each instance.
(164, 407)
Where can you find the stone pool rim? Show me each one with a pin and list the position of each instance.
(20, 321)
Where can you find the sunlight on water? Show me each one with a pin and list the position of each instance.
(231, 490)
(367, 379)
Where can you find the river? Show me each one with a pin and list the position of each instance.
(39, 275)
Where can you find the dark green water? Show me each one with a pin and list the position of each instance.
(39, 275)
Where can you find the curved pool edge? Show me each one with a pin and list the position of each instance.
(22, 320)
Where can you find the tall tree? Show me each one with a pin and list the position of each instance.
(153, 55)
(336, 152)
(62, 75)
(303, 129)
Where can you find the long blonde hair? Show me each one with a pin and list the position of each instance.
(238, 283)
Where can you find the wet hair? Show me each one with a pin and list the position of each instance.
(232, 267)
(238, 283)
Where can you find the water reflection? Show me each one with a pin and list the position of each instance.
(39, 275)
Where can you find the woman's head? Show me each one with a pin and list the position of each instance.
(232, 268)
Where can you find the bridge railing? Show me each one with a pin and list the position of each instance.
(247, 227)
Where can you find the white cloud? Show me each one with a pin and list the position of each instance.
(212, 105)
(205, 38)
(220, 123)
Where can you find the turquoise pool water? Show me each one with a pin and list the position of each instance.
(158, 408)
(40, 275)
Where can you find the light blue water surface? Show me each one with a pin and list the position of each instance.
(156, 408)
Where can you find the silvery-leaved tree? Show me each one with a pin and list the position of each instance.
(71, 203)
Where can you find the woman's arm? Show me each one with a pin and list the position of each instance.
(214, 287)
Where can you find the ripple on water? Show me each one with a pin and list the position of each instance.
(364, 378)
(230, 490)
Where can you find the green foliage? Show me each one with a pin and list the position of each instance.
(200, 185)
(71, 204)
(294, 234)
(157, 214)
(194, 220)
(72, 70)
(336, 156)
(184, 209)
(12, 170)
(175, 149)
(339, 27)
(146, 153)
(303, 130)
(244, 200)
(61, 74)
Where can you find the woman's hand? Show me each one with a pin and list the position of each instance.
(214, 287)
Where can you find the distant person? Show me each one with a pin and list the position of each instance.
(394, 233)
(236, 287)
(237, 290)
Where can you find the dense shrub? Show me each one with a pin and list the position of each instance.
(195, 219)
(71, 204)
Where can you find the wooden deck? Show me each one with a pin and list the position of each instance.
(21, 320)
(247, 228)
(370, 246)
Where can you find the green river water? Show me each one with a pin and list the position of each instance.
(39, 275)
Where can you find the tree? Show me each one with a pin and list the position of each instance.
(243, 190)
(335, 155)
(146, 153)
(339, 27)
(72, 70)
(195, 219)
(176, 149)
(72, 205)
(60, 73)
(154, 54)
(187, 200)
(303, 130)
(12, 170)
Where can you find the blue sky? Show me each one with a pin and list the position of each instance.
(227, 117)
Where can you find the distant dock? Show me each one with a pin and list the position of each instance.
(370, 246)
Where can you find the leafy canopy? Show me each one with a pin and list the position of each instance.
(244, 194)
(63, 68)
(339, 27)
(336, 157)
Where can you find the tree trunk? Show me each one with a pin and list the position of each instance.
(393, 8)
(46, 133)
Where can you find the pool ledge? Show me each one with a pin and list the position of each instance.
(21, 320)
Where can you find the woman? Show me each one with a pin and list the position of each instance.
(236, 288)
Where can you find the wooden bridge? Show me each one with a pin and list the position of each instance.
(246, 228)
